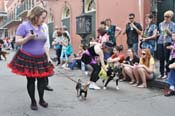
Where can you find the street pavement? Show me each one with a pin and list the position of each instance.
(128, 101)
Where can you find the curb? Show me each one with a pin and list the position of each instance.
(158, 83)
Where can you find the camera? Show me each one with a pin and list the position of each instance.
(31, 31)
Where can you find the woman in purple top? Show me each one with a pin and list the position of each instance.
(33, 60)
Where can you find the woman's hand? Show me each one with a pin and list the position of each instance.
(105, 68)
(144, 39)
(30, 36)
(21, 40)
(140, 66)
(50, 60)
(169, 47)
(171, 66)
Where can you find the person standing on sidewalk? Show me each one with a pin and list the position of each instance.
(133, 30)
(111, 31)
(33, 60)
(1, 44)
(64, 56)
(149, 34)
(166, 28)
(57, 44)
(47, 45)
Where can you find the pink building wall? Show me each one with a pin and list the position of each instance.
(75, 10)
(117, 10)
(1, 5)
(11, 6)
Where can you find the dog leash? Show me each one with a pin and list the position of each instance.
(68, 77)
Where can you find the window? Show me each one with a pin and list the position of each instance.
(50, 16)
(90, 5)
(66, 13)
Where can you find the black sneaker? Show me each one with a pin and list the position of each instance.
(48, 88)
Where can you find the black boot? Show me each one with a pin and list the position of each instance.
(34, 106)
(41, 86)
(31, 92)
(43, 103)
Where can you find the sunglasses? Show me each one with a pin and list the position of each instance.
(143, 54)
(131, 18)
(167, 16)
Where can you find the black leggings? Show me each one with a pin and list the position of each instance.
(95, 72)
(31, 88)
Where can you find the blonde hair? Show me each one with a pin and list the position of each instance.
(169, 13)
(34, 14)
(146, 60)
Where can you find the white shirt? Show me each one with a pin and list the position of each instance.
(46, 31)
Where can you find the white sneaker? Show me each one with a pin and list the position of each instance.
(104, 88)
(63, 66)
(94, 86)
(117, 87)
(86, 72)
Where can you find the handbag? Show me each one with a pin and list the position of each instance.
(69, 50)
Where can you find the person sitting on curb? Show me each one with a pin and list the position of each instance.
(77, 58)
(145, 69)
(128, 66)
(113, 65)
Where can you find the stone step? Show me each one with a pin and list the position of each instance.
(158, 83)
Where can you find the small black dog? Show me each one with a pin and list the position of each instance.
(82, 88)
(111, 73)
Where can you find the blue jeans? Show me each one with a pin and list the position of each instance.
(135, 48)
(171, 78)
(72, 64)
(63, 54)
(76, 63)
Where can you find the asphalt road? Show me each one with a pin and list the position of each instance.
(128, 101)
